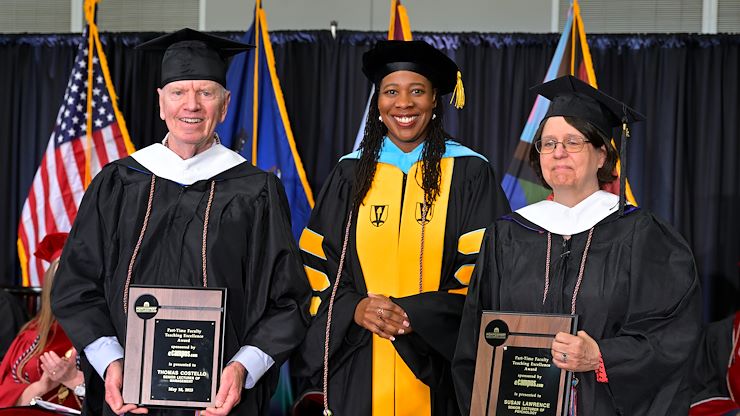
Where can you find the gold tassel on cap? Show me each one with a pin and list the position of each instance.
(458, 94)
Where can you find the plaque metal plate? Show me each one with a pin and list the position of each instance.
(514, 373)
(174, 342)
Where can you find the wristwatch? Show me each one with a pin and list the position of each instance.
(80, 390)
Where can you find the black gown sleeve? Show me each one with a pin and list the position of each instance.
(14, 315)
(328, 221)
(663, 323)
(709, 371)
(485, 277)
(278, 287)
(78, 293)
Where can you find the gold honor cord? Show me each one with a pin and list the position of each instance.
(325, 377)
(144, 226)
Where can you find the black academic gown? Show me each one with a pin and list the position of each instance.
(639, 299)
(475, 199)
(251, 252)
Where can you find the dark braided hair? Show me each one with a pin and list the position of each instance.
(372, 141)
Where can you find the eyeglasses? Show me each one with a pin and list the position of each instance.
(571, 145)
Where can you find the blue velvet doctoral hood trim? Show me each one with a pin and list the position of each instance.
(390, 154)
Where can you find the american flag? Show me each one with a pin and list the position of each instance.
(59, 183)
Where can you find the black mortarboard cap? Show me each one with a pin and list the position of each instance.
(417, 56)
(190, 54)
(572, 97)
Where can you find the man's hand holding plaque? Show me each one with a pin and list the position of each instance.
(113, 385)
(230, 391)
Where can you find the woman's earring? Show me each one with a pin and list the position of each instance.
(380, 119)
(434, 116)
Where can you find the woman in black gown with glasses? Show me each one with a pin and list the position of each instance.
(629, 276)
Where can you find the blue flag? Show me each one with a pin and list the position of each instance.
(257, 124)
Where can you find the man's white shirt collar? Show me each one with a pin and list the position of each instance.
(559, 219)
(166, 164)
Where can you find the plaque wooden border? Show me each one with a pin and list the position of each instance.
(174, 304)
(524, 330)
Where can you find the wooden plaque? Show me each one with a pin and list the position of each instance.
(174, 339)
(514, 373)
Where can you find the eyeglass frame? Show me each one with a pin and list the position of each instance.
(538, 145)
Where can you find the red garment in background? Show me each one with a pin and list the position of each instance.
(719, 403)
(12, 385)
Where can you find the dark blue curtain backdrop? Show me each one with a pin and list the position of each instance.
(683, 162)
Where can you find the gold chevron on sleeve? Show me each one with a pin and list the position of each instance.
(315, 302)
(310, 242)
(464, 273)
(318, 280)
(469, 243)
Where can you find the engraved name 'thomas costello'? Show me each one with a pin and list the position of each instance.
(177, 334)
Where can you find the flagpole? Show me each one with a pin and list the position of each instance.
(90, 17)
(585, 50)
(392, 23)
(404, 19)
(112, 93)
(270, 59)
(255, 102)
(398, 11)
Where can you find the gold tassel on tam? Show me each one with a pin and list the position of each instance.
(458, 94)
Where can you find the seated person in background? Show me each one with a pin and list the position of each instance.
(14, 316)
(41, 361)
(716, 375)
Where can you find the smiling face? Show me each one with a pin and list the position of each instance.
(575, 173)
(406, 101)
(192, 109)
